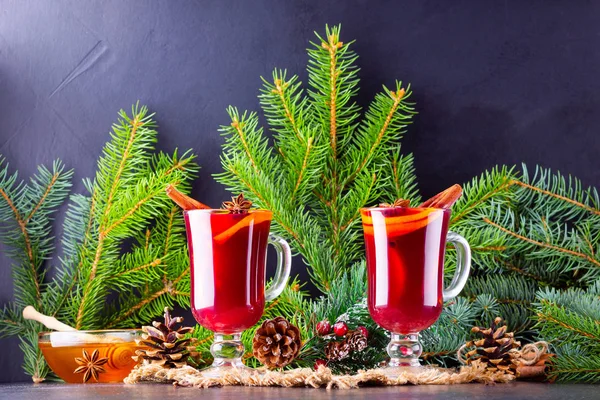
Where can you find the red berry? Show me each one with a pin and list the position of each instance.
(363, 330)
(340, 328)
(320, 363)
(324, 328)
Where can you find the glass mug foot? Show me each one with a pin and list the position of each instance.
(227, 352)
(404, 352)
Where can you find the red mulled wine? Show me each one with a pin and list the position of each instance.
(405, 261)
(227, 258)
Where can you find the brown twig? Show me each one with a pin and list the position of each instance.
(135, 124)
(303, 168)
(268, 206)
(28, 249)
(457, 217)
(542, 244)
(549, 318)
(238, 128)
(43, 198)
(520, 270)
(152, 264)
(128, 214)
(557, 196)
(11, 322)
(357, 212)
(279, 88)
(397, 97)
(332, 48)
(168, 288)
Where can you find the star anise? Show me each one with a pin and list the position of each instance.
(90, 365)
(397, 203)
(237, 205)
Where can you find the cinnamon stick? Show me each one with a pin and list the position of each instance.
(184, 201)
(445, 199)
(533, 372)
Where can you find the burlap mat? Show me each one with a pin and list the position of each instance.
(322, 378)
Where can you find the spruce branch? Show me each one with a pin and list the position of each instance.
(569, 320)
(26, 214)
(324, 164)
(125, 200)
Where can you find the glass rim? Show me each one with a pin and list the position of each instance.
(90, 332)
(221, 211)
(378, 208)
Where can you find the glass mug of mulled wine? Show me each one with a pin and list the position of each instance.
(405, 265)
(227, 260)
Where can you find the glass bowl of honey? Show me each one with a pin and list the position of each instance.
(103, 356)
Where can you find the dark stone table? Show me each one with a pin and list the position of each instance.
(538, 391)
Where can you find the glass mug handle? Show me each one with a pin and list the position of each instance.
(463, 265)
(284, 265)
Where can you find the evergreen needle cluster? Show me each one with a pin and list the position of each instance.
(569, 320)
(325, 161)
(125, 206)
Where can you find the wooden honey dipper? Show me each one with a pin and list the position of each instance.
(49, 322)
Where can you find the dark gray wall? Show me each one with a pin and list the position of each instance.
(494, 82)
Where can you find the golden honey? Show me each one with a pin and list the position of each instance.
(90, 356)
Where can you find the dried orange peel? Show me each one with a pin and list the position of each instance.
(251, 217)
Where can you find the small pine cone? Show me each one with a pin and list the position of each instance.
(276, 343)
(357, 341)
(497, 348)
(336, 351)
(164, 344)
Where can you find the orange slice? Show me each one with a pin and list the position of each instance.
(256, 217)
(396, 228)
(401, 219)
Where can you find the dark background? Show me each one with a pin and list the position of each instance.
(496, 82)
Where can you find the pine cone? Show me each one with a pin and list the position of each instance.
(356, 341)
(165, 344)
(276, 343)
(497, 348)
(336, 351)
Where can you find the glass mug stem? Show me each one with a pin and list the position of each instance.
(228, 349)
(404, 350)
